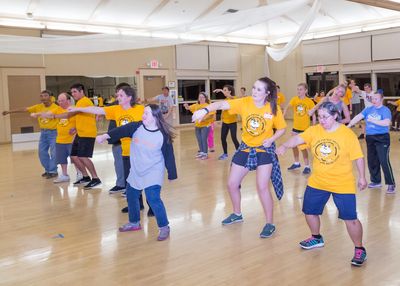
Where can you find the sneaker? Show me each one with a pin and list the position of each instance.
(78, 176)
(268, 230)
(150, 213)
(163, 233)
(223, 157)
(61, 179)
(307, 170)
(373, 185)
(123, 194)
(93, 183)
(360, 255)
(294, 166)
(44, 174)
(199, 155)
(51, 175)
(85, 179)
(204, 157)
(130, 226)
(116, 189)
(391, 189)
(124, 210)
(232, 218)
(312, 242)
(362, 136)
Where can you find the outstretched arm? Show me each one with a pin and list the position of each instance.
(90, 109)
(356, 119)
(201, 113)
(19, 110)
(291, 143)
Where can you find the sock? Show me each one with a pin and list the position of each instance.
(239, 214)
(360, 247)
(317, 236)
(296, 163)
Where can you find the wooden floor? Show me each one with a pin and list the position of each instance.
(34, 211)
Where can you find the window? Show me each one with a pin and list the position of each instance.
(219, 83)
(318, 82)
(189, 89)
(389, 82)
(360, 79)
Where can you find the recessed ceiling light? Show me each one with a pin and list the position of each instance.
(231, 11)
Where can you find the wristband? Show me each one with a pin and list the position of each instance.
(206, 109)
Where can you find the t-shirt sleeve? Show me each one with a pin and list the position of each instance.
(354, 146)
(291, 102)
(278, 120)
(110, 112)
(170, 101)
(32, 109)
(193, 108)
(307, 135)
(235, 105)
(365, 112)
(387, 114)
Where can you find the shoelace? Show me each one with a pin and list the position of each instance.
(359, 253)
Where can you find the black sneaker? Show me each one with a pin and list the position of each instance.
(150, 213)
(51, 175)
(45, 174)
(124, 210)
(116, 189)
(85, 179)
(93, 183)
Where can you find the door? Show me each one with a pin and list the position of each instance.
(152, 85)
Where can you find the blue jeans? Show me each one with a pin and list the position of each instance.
(153, 199)
(47, 150)
(118, 165)
(202, 136)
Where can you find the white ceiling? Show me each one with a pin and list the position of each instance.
(203, 19)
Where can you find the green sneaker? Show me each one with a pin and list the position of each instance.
(232, 218)
(268, 230)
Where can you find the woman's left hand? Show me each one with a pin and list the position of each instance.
(362, 183)
(267, 142)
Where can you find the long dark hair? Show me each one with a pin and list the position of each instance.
(271, 91)
(129, 91)
(166, 129)
(230, 88)
(331, 109)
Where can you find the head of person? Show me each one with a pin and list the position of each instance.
(45, 97)
(152, 115)
(377, 99)
(302, 89)
(340, 91)
(322, 93)
(352, 83)
(328, 115)
(64, 100)
(264, 89)
(126, 95)
(243, 91)
(367, 88)
(77, 91)
(203, 98)
(121, 85)
(228, 90)
(165, 90)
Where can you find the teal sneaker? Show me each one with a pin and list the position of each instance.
(312, 242)
(232, 218)
(268, 230)
(360, 255)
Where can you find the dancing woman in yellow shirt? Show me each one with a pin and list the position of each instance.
(202, 127)
(334, 147)
(260, 114)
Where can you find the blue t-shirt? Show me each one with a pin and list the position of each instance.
(380, 113)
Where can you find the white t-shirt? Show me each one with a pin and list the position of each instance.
(166, 102)
(367, 98)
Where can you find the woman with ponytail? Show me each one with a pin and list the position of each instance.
(260, 114)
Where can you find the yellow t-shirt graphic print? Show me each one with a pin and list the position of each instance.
(255, 124)
(301, 119)
(326, 151)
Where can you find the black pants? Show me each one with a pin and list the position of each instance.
(396, 119)
(127, 167)
(224, 134)
(378, 147)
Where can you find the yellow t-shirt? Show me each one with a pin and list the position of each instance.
(333, 155)
(122, 117)
(44, 123)
(301, 119)
(257, 122)
(398, 105)
(207, 120)
(85, 122)
(64, 126)
(101, 101)
(226, 116)
(280, 98)
(319, 98)
(52, 98)
(347, 96)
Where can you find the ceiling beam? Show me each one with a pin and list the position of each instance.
(96, 10)
(159, 7)
(207, 11)
(386, 4)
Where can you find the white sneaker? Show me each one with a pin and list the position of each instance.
(79, 176)
(61, 179)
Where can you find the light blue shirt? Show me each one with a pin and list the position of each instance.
(380, 113)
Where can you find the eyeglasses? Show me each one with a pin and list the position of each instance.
(325, 117)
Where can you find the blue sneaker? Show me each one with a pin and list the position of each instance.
(232, 218)
(312, 242)
(223, 157)
(360, 255)
(268, 230)
(294, 167)
(306, 171)
(373, 185)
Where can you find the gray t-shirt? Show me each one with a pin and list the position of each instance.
(147, 160)
(166, 102)
(356, 98)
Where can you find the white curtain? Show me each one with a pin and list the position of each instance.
(280, 54)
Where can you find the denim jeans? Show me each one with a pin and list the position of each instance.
(153, 199)
(118, 165)
(202, 136)
(47, 150)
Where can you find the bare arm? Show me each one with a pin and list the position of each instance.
(19, 110)
(362, 182)
(268, 142)
(285, 110)
(346, 113)
(90, 109)
(291, 143)
(356, 119)
(218, 105)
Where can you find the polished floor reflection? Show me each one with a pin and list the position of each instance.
(60, 234)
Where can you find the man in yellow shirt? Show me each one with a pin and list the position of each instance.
(48, 133)
(302, 106)
(334, 148)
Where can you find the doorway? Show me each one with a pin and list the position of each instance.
(152, 85)
(318, 82)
